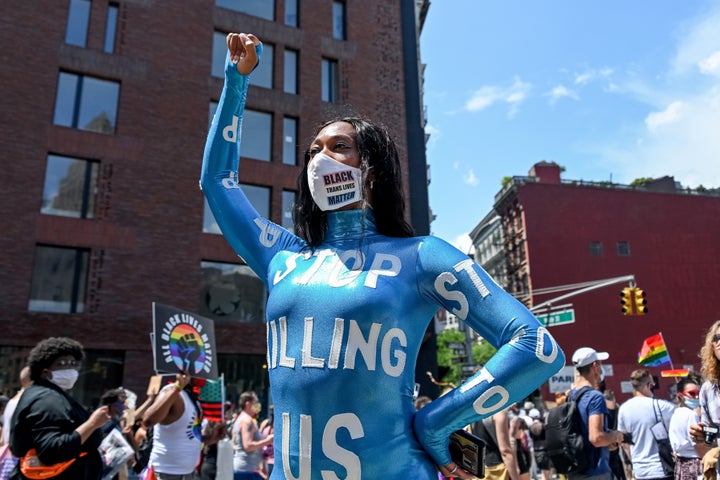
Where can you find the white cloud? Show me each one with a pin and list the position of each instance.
(591, 74)
(670, 115)
(700, 42)
(561, 91)
(678, 136)
(711, 65)
(470, 178)
(679, 141)
(513, 95)
(463, 243)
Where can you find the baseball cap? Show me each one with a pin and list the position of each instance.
(586, 355)
(534, 413)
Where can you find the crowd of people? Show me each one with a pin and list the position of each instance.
(351, 293)
(643, 438)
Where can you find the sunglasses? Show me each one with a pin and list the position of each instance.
(716, 338)
(691, 394)
(76, 364)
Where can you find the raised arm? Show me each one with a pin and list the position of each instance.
(253, 237)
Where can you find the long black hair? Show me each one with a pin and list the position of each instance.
(381, 176)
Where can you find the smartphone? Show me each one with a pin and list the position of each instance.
(468, 451)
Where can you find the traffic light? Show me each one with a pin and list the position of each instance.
(640, 302)
(626, 299)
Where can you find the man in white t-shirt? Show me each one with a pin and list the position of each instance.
(647, 419)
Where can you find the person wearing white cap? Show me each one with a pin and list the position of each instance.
(593, 411)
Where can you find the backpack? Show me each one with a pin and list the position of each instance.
(564, 442)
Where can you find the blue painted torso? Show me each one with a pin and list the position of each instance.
(345, 322)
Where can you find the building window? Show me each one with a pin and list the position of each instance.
(86, 103)
(255, 138)
(290, 141)
(262, 76)
(291, 63)
(70, 187)
(259, 198)
(111, 28)
(329, 80)
(288, 200)
(339, 20)
(59, 280)
(231, 292)
(257, 8)
(291, 13)
(623, 249)
(78, 23)
(596, 249)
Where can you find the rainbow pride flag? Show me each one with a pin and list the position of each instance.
(654, 352)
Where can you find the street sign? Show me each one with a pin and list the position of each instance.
(456, 346)
(458, 359)
(559, 317)
(469, 368)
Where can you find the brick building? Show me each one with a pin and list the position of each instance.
(106, 107)
(553, 232)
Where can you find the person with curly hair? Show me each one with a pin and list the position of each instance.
(710, 390)
(48, 420)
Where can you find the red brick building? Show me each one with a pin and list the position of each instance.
(106, 107)
(560, 232)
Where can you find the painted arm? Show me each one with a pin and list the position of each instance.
(527, 354)
(253, 237)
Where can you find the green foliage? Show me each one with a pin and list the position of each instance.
(639, 182)
(481, 353)
(505, 181)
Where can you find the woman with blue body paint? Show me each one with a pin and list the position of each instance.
(351, 294)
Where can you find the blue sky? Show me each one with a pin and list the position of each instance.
(611, 90)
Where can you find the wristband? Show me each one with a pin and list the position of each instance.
(177, 386)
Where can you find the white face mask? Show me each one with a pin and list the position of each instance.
(332, 184)
(64, 379)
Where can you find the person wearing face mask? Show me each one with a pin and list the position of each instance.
(247, 439)
(48, 420)
(115, 400)
(647, 419)
(688, 455)
(351, 294)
